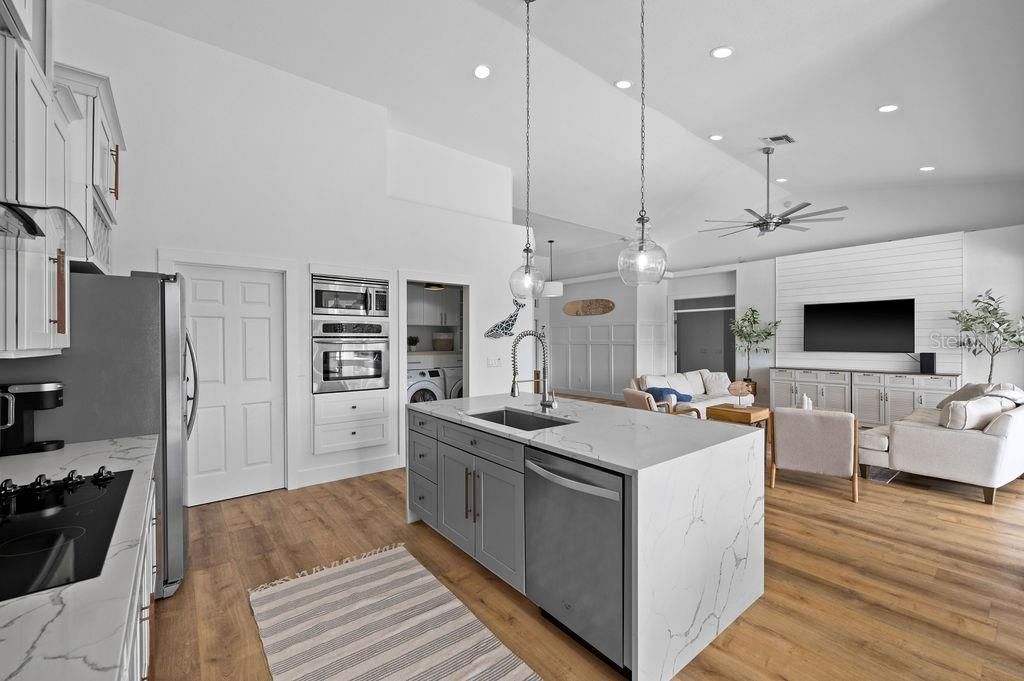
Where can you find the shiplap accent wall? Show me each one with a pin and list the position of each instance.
(594, 359)
(928, 269)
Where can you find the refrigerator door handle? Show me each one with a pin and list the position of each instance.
(10, 410)
(194, 399)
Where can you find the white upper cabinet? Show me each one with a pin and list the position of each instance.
(18, 17)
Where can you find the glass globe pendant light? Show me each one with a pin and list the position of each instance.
(527, 281)
(642, 262)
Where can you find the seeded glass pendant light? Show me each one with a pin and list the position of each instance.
(642, 262)
(527, 281)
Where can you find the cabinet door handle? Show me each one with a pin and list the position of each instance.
(354, 406)
(473, 443)
(465, 493)
(116, 155)
(421, 497)
(476, 508)
(421, 455)
(353, 432)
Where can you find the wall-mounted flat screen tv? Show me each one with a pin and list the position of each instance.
(864, 326)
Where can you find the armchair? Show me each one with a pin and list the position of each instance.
(823, 442)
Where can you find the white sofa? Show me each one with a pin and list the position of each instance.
(707, 388)
(989, 458)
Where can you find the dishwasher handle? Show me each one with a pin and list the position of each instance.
(574, 485)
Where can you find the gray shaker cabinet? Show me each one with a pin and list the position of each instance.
(500, 521)
(455, 502)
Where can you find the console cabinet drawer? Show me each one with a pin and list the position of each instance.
(865, 378)
(496, 449)
(423, 424)
(423, 498)
(783, 374)
(423, 455)
(901, 380)
(938, 383)
(344, 407)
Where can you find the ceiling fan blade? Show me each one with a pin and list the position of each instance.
(816, 219)
(736, 232)
(718, 229)
(822, 212)
(794, 209)
(798, 228)
(738, 222)
(760, 218)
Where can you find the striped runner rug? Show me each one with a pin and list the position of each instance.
(376, 617)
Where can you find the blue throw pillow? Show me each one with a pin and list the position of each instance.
(661, 394)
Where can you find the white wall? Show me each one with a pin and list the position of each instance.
(755, 287)
(927, 269)
(226, 155)
(595, 355)
(994, 259)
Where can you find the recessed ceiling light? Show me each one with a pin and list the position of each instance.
(721, 52)
(715, 138)
(623, 84)
(482, 71)
(781, 179)
(888, 108)
(926, 169)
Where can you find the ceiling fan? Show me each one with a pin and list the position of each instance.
(769, 222)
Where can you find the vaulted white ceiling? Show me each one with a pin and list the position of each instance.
(815, 70)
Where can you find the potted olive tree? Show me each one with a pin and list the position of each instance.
(987, 328)
(752, 336)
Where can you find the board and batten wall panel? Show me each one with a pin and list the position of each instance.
(593, 359)
(928, 269)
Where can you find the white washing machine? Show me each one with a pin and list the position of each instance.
(453, 381)
(426, 385)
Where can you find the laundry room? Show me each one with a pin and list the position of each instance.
(435, 341)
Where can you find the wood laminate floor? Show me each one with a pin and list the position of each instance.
(911, 583)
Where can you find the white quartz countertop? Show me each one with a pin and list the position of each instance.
(76, 632)
(609, 436)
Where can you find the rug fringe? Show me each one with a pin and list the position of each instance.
(321, 568)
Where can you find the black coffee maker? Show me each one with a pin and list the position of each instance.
(18, 404)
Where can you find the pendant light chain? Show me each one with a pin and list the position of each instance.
(528, 3)
(643, 125)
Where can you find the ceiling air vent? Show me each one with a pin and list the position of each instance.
(778, 140)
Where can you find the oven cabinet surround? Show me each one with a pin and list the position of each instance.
(875, 397)
(694, 508)
(97, 629)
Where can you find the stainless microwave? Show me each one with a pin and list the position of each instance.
(349, 297)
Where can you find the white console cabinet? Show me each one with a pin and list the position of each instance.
(876, 398)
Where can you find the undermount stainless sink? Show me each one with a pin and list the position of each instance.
(521, 420)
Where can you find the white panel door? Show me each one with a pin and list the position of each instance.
(236, 318)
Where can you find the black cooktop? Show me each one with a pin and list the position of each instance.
(57, 532)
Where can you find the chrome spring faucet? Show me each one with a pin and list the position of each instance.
(547, 400)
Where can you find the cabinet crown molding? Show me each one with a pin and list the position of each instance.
(92, 85)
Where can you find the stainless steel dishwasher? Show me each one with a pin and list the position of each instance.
(574, 548)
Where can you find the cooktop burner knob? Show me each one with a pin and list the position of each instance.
(8, 486)
(103, 474)
(72, 477)
(41, 481)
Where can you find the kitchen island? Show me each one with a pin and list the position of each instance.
(692, 509)
(96, 629)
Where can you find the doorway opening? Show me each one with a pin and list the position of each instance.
(703, 337)
(435, 319)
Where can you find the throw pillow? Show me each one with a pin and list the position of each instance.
(653, 381)
(661, 394)
(679, 382)
(968, 392)
(696, 381)
(973, 414)
(717, 383)
(1014, 394)
(806, 403)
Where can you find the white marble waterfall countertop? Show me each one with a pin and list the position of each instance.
(612, 437)
(76, 632)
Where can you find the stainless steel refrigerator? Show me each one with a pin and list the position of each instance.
(130, 370)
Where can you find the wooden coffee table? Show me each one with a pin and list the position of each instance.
(748, 416)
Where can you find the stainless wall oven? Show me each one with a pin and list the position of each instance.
(349, 297)
(349, 354)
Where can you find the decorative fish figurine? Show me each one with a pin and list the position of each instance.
(506, 325)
